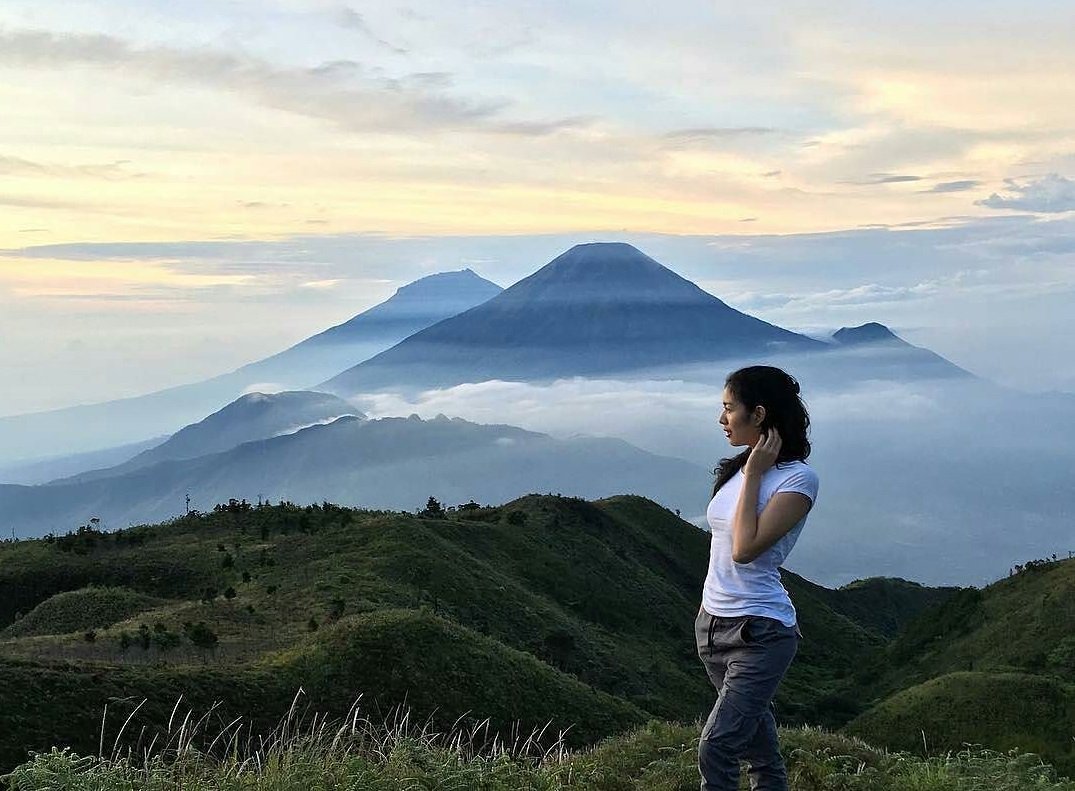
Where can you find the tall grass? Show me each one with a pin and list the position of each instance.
(307, 752)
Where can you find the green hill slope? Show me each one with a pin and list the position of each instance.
(600, 596)
(1003, 710)
(442, 671)
(1022, 623)
(994, 666)
(80, 610)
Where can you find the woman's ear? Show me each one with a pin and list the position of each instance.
(759, 415)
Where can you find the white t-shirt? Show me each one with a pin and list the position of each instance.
(733, 589)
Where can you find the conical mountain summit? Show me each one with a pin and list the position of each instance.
(596, 309)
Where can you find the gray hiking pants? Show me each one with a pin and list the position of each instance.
(746, 657)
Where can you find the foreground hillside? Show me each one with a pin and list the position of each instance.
(995, 666)
(546, 608)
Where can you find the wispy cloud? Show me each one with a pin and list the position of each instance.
(349, 18)
(343, 92)
(17, 166)
(954, 186)
(886, 178)
(1049, 194)
(711, 134)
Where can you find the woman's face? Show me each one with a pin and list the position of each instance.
(737, 422)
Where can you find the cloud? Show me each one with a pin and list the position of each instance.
(349, 18)
(342, 92)
(954, 186)
(709, 134)
(1049, 194)
(16, 166)
(865, 294)
(885, 178)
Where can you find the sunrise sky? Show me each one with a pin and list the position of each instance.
(189, 186)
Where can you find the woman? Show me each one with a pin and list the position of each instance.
(747, 632)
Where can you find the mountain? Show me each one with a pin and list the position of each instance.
(878, 351)
(96, 426)
(63, 466)
(412, 308)
(386, 463)
(596, 309)
(871, 332)
(544, 608)
(251, 417)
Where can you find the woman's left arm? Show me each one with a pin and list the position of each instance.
(752, 533)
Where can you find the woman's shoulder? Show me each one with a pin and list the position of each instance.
(794, 464)
(796, 468)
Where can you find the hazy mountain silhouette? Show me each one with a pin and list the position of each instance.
(389, 463)
(96, 426)
(596, 309)
(871, 332)
(64, 465)
(879, 352)
(250, 417)
(412, 308)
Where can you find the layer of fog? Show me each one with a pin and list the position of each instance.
(939, 481)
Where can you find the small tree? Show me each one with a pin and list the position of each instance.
(335, 609)
(433, 509)
(163, 639)
(312, 624)
(201, 635)
(229, 593)
(90, 636)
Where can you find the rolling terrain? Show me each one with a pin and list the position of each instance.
(588, 605)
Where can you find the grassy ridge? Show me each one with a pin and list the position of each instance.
(1030, 713)
(443, 671)
(995, 666)
(545, 608)
(81, 610)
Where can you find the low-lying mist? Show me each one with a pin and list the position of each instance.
(940, 481)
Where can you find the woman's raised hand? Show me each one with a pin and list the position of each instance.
(764, 453)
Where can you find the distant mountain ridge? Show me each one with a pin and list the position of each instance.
(596, 309)
(385, 463)
(413, 307)
(249, 418)
(97, 426)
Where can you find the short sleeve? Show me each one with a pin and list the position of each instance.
(802, 480)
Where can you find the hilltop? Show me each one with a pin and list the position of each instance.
(994, 666)
(589, 604)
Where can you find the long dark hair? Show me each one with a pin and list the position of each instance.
(778, 392)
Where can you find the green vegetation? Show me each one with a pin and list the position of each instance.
(992, 666)
(81, 610)
(1029, 713)
(546, 612)
(401, 755)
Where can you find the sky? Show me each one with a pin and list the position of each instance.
(186, 187)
